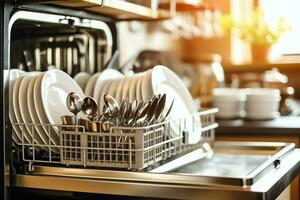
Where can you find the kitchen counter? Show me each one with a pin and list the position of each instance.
(282, 125)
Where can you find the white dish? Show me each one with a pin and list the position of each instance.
(14, 74)
(228, 94)
(126, 87)
(105, 75)
(139, 88)
(39, 108)
(264, 116)
(230, 101)
(262, 107)
(55, 87)
(133, 86)
(147, 91)
(119, 90)
(89, 88)
(24, 109)
(33, 112)
(164, 80)
(262, 94)
(81, 79)
(113, 87)
(17, 111)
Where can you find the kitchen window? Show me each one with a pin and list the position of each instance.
(289, 44)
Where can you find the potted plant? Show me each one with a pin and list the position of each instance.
(258, 33)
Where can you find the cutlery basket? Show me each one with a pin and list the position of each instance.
(119, 148)
(133, 148)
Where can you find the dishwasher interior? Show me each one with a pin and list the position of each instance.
(41, 41)
(75, 45)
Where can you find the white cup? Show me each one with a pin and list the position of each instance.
(230, 101)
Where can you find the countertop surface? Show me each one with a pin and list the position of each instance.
(280, 125)
(283, 125)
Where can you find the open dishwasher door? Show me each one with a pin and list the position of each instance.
(230, 170)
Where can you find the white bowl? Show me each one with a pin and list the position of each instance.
(262, 94)
(265, 107)
(230, 101)
(262, 116)
(228, 94)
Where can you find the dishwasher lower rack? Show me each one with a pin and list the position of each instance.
(121, 147)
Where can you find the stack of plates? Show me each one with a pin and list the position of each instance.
(230, 101)
(39, 98)
(141, 86)
(262, 103)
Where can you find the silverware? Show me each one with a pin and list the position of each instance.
(159, 109)
(121, 112)
(68, 120)
(130, 114)
(89, 108)
(107, 125)
(95, 126)
(85, 123)
(127, 113)
(168, 112)
(112, 104)
(152, 109)
(74, 104)
(142, 114)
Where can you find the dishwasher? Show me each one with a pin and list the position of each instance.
(123, 163)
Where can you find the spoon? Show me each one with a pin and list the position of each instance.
(74, 104)
(142, 113)
(89, 108)
(112, 104)
(105, 113)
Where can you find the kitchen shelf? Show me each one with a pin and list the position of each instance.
(184, 7)
(117, 9)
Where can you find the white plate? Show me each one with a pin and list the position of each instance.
(81, 79)
(14, 74)
(113, 86)
(33, 112)
(120, 90)
(164, 80)
(89, 88)
(55, 87)
(42, 117)
(147, 91)
(24, 109)
(126, 87)
(17, 109)
(139, 88)
(133, 86)
(105, 75)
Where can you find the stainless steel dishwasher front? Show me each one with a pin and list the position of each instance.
(168, 184)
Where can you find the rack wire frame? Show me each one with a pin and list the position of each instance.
(132, 148)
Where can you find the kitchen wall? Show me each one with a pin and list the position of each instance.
(138, 36)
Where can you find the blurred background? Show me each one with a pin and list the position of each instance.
(220, 43)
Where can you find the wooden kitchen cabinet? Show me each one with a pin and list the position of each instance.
(295, 187)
